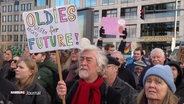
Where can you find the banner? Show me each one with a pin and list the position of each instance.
(52, 29)
(113, 26)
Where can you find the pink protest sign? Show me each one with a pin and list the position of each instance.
(113, 26)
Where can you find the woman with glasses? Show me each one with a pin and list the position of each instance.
(26, 75)
(13, 66)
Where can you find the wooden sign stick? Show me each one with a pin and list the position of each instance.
(60, 72)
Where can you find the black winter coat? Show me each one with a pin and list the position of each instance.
(5, 89)
(39, 95)
(127, 92)
(126, 76)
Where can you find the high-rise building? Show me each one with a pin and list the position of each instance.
(156, 28)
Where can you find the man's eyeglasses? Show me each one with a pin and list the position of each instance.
(34, 54)
(117, 58)
(15, 61)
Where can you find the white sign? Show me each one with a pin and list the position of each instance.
(52, 29)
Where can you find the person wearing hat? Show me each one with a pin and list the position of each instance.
(159, 87)
(123, 73)
(139, 67)
(111, 79)
(178, 80)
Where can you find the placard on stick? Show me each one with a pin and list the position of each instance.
(180, 56)
(52, 29)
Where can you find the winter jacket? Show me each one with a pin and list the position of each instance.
(127, 92)
(126, 76)
(36, 94)
(48, 76)
(5, 89)
(108, 94)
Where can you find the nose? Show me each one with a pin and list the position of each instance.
(152, 84)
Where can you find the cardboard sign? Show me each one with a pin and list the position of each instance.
(180, 56)
(52, 29)
(113, 26)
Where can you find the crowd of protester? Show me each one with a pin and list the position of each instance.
(91, 75)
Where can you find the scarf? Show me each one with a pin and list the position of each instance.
(88, 93)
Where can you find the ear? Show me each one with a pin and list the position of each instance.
(31, 72)
(43, 58)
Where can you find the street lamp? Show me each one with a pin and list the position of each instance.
(173, 45)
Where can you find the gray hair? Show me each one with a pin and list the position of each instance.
(118, 52)
(157, 50)
(100, 57)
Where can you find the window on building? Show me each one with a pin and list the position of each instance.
(96, 16)
(29, 6)
(159, 29)
(22, 27)
(16, 27)
(21, 37)
(9, 38)
(9, 18)
(3, 18)
(127, 1)
(9, 28)
(41, 2)
(129, 13)
(161, 10)
(9, 8)
(3, 28)
(3, 38)
(59, 2)
(23, 7)
(91, 3)
(21, 18)
(16, 18)
(15, 38)
(76, 2)
(16, 7)
(109, 13)
(131, 31)
(96, 32)
(107, 2)
(4, 8)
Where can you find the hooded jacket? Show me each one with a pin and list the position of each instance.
(48, 76)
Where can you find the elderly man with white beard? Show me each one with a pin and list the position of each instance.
(157, 56)
(90, 88)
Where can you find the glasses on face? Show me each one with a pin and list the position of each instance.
(75, 50)
(15, 61)
(117, 58)
(34, 54)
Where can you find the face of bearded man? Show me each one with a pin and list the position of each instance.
(88, 66)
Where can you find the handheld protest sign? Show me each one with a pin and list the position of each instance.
(180, 55)
(52, 29)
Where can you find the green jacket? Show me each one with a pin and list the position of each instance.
(47, 75)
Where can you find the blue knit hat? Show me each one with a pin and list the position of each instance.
(164, 72)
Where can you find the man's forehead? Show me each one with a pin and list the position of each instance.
(89, 57)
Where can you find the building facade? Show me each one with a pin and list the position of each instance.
(11, 24)
(158, 28)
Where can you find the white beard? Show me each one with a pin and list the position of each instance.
(83, 74)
